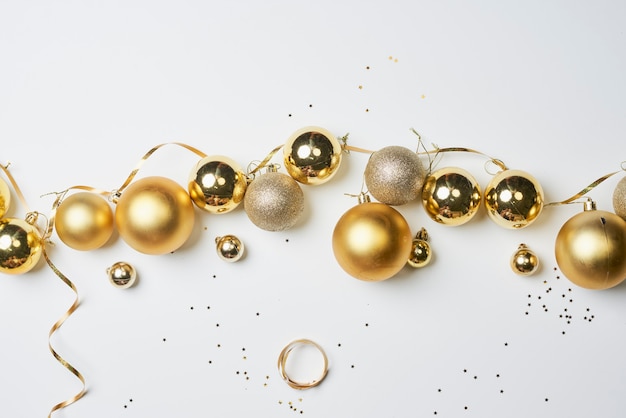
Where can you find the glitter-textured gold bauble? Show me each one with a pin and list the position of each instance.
(514, 199)
(619, 199)
(524, 261)
(229, 248)
(590, 249)
(312, 155)
(5, 198)
(20, 246)
(122, 275)
(154, 215)
(274, 201)
(217, 184)
(372, 241)
(421, 254)
(451, 196)
(394, 175)
(84, 221)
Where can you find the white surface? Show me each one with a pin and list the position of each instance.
(86, 88)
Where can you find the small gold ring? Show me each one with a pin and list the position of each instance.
(282, 362)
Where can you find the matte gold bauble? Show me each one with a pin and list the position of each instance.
(312, 155)
(274, 201)
(514, 199)
(217, 184)
(154, 215)
(524, 261)
(20, 246)
(372, 241)
(229, 248)
(84, 221)
(619, 199)
(451, 196)
(122, 275)
(421, 254)
(590, 249)
(394, 175)
(5, 198)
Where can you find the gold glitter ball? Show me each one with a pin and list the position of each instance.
(619, 199)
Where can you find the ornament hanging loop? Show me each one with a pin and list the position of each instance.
(494, 162)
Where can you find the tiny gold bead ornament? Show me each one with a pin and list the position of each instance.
(20, 246)
(514, 199)
(619, 199)
(451, 196)
(394, 175)
(312, 155)
(122, 275)
(84, 221)
(421, 253)
(524, 261)
(229, 248)
(217, 184)
(5, 198)
(590, 248)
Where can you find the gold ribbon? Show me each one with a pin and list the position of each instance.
(5, 168)
(266, 160)
(584, 191)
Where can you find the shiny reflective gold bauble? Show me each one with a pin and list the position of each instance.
(524, 261)
(590, 249)
(154, 215)
(217, 184)
(372, 241)
(84, 221)
(20, 246)
(5, 198)
(274, 201)
(229, 248)
(514, 199)
(451, 196)
(122, 275)
(619, 199)
(394, 175)
(312, 155)
(421, 254)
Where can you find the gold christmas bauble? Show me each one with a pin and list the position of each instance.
(394, 175)
(217, 184)
(122, 275)
(5, 198)
(619, 199)
(524, 261)
(372, 241)
(154, 215)
(514, 199)
(312, 155)
(20, 246)
(421, 254)
(274, 201)
(84, 221)
(229, 248)
(451, 196)
(590, 249)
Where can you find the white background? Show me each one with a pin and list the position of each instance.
(87, 87)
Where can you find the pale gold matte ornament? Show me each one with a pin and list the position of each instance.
(84, 221)
(372, 241)
(514, 199)
(394, 175)
(619, 199)
(524, 261)
(451, 196)
(5, 198)
(312, 155)
(20, 246)
(154, 215)
(590, 249)
(229, 248)
(122, 275)
(217, 184)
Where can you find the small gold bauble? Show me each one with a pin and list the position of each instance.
(451, 196)
(20, 246)
(154, 215)
(619, 199)
(5, 198)
(122, 275)
(274, 201)
(84, 221)
(312, 155)
(514, 199)
(524, 262)
(229, 248)
(590, 249)
(372, 241)
(421, 254)
(217, 184)
(394, 175)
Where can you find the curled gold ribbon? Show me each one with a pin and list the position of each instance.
(266, 160)
(5, 168)
(585, 190)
